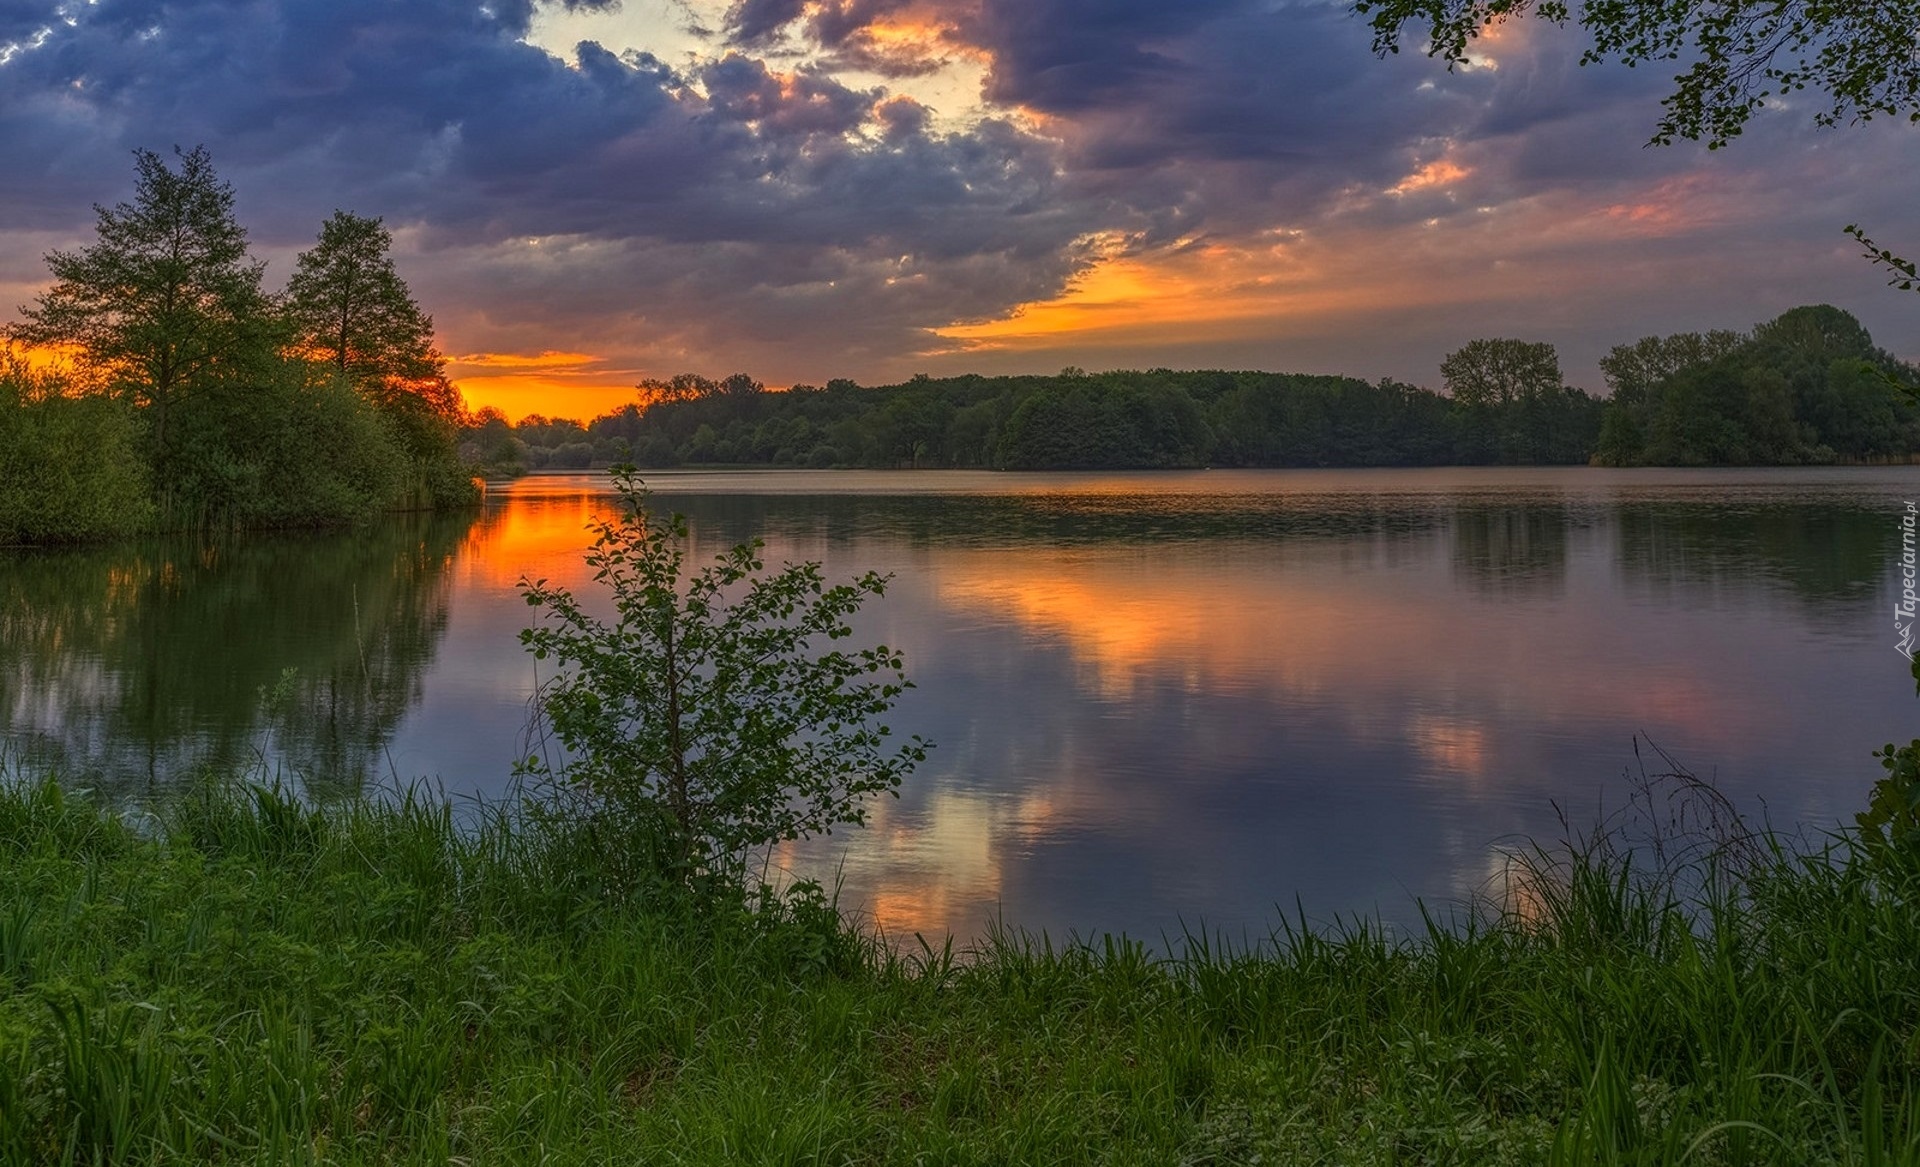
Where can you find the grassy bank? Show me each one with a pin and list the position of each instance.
(246, 981)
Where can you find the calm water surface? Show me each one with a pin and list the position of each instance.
(1199, 697)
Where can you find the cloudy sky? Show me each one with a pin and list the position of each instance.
(589, 192)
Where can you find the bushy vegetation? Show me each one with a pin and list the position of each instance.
(716, 715)
(1806, 387)
(1074, 421)
(195, 398)
(69, 465)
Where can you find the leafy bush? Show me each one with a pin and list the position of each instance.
(70, 468)
(295, 446)
(711, 718)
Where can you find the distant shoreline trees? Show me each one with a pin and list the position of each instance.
(219, 403)
(1807, 387)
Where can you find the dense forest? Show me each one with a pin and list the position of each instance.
(1807, 387)
(157, 384)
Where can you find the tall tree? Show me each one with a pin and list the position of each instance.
(351, 309)
(1501, 372)
(1633, 370)
(1509, 398)
(168, 298)
(348, 307)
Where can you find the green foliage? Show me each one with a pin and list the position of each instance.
(70, 466)
(348, 307)
(1082, 426)
(1157, 418)
(1903, 274)
(1890, 826)
(236, 423)
(488, 445)
(1494, 373)
(1506, 405)
(167, 301)
(714, 716)
(431, 473)
(295, 447)
(1511, 407)
(1856, 56)
(245, 978)
(1807, 386)
(345, 305)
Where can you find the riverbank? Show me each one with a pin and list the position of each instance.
(247, 981)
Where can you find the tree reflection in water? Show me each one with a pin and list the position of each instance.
(297, 652)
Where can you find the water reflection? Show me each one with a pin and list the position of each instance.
(1514, 550)
(1157, 698)
(139, 663)
(1833, 557)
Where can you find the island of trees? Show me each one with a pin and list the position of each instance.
(1807, 387)
(182, 393)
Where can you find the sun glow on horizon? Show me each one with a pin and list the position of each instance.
(550, 383)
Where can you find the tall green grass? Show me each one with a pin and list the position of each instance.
(243, 977)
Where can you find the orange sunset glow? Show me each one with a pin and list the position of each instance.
(553, 384)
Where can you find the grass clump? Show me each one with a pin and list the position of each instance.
(247, 978)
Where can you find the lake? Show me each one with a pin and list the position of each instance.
(1201, 699)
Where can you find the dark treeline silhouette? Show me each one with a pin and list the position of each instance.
(1806, 387)
(157, 384)
(1161, 418)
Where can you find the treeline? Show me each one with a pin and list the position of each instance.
(1807, 387)
(1161, 418)
(157, 384)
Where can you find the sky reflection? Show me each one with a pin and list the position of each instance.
(1158, 701)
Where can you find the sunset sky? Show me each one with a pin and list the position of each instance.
(585, 194)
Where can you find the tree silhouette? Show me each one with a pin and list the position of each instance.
(1500, 372)
(348, 307)
(168, 298)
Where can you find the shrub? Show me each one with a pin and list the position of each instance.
(712, 717)
(293, 446)
(70, 468)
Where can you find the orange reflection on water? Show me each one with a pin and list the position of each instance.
(1303, 623)
(1125, 616)
(533, 537)
(1404, 644)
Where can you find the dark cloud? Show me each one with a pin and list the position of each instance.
(754, 22)
(757, 205)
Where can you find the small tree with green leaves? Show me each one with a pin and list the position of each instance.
(716, 714)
